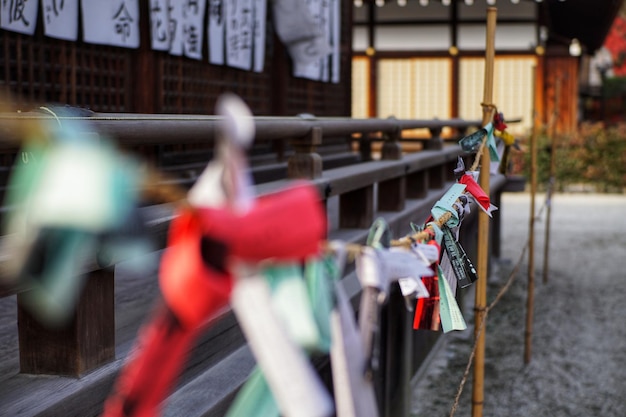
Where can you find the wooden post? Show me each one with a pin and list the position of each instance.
(480, 303)
(392, 192)
(531, 235)
(365, 147)
(306, 163)
(356, 208)
(552, 184)
(391, 149)
(435, 142)
(85, 343)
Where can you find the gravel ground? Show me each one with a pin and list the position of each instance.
(578, 363)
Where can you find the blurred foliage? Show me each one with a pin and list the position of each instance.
(594, 156)
(614, 86)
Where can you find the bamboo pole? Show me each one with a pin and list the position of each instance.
(480, 303)
(553, 139)
(531, 233)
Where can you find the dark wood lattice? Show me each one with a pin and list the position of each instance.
(37, 70)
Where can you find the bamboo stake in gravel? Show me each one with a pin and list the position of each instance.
(551, 185)
(531, 234)
(480, 303)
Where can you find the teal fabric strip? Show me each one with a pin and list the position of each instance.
(446, 203)
(320, 292)
(451, 317)
(438, 232)
(292, 304)
(379, 235)
(254, 399)
(491, 144)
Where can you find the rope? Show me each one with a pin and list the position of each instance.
(493, 109)
(407, 241)
(479, 153)
(158, 187)
(46, 109)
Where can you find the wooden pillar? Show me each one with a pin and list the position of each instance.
(86, 342)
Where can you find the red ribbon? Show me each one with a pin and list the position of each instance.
(498, 122)
(196, 282)
(160, 351)
(476, 191)
(427, 309)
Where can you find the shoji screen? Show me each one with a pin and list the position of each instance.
(512, 89)
(416, 88)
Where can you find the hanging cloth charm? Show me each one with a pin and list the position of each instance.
(292, 301)
(278, 356)
(193, 276)
(406, 267)
(446, 204)
(195, 286)
(449, 311)
(292, 305)
(491, 144)
(254, 399)
(320, 275)
(374, 291)
(272, 230)
(509, 142)
(75, 187)
(368, 269)
(471, 143)
(354, 391)
(498, 121)
(426, 315)
(461, 264)
(161, 349)
(477, 193)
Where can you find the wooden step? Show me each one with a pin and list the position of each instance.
(210, 393)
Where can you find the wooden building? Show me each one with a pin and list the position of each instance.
(424, 59)
(406, 58)
(38, 69)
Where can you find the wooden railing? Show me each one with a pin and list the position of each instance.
(400, 187)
